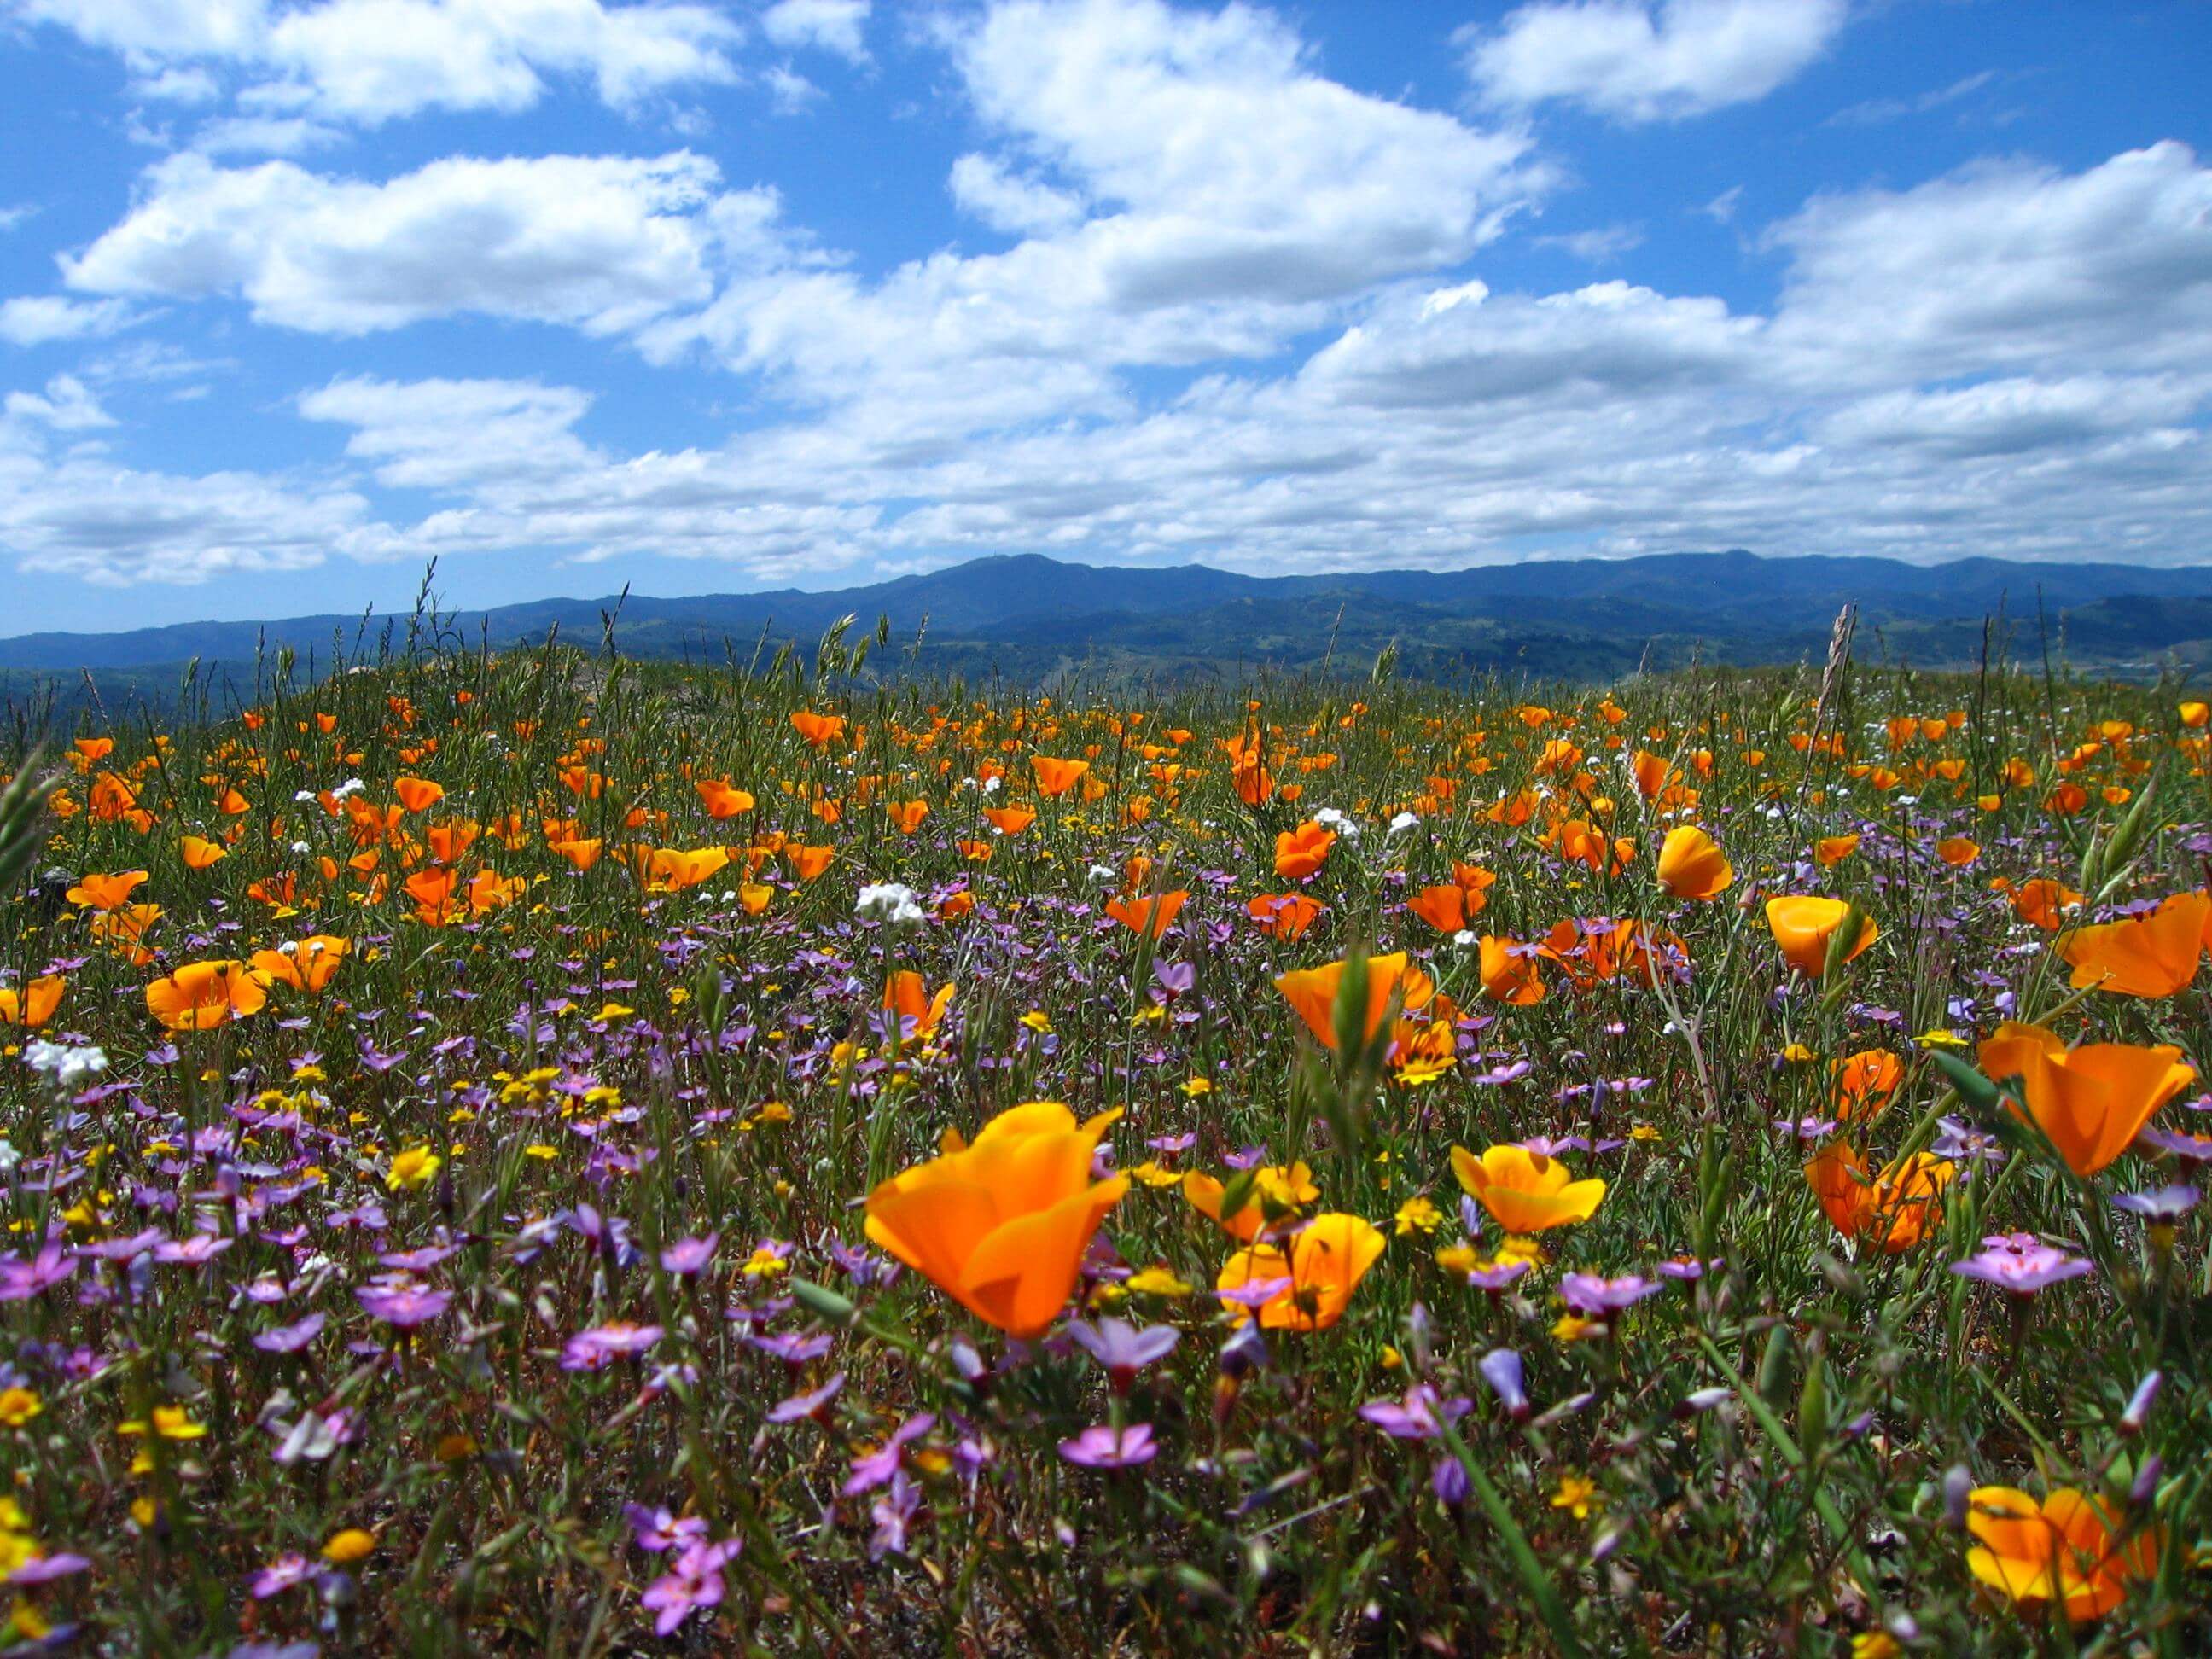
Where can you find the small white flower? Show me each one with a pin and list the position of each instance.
(1104, 875)
(10, 1158)
(991, 786)
(350, 787)
(1464, 940)
(303, 794)
(302, 846)
(1404, 822)
(1329, 818)
(68, 1067)
(888, 902)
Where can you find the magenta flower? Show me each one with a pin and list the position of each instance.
(687, 1257)
(20, 1279)
(1419, 1416)
(2021, 1263)
(1595, 1297)
(875, 1468)
(600, 1346)
(798, 1407)
(281, 1575)
(695, 1582)
(1121, 1349)
(1105, 1446)
(290, 1339)
(403, 1305)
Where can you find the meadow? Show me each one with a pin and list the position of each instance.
(539, 1153)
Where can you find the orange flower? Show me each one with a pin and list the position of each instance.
(1650, 772)
(1300, 852)
(418, 794)
(1509, 973)
(1803, 928)
(1001, 1226)
(1278, 1191)
(2092, 1100)
(106, 892)
(306, 966)
(1692, 865)
(1525, 1192)
(820, 731)
(807, 863)
(201, 994)
(1894, 1211)
(1834, 849)
(1054, 777)
(33, 1004)
(199, 852)
(1312, 992)
(583, 854)
(907, 815)
(2153, 955)
(2063, 1549)
(1957, 852)
(670, 870)
(123, 930)
(918, 1012)
(2043, 901)
(1326, 1259)
(1010, 820)
(1153, 916)
(1865, 1081)
(721, 800)
(1447, 907)
(1285, 915)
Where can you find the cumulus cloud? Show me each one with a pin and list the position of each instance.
(38, 319)
(603, 244)
(1635, 60)
(370, 61)
(833, 26)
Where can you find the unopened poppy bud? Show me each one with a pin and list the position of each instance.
(2139, 1403)
(2145, 1489)
(1957, 1495)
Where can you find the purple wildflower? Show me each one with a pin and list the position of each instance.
(1105, 1446)
(2021, 1263)
(1121, 1349)
(1595, 1297)
(601, 1346)
(1419, 1416)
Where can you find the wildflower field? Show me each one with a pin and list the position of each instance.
(545, 1155)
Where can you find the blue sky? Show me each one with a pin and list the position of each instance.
(297, 294)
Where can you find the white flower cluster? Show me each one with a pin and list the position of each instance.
(68, 1067)
(888, 902)
(1329, 818)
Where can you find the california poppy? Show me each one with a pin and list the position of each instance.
(1864, 1082)
(306, 966)
(33, 1004)
(1892, 1211)
(1300, 852)
(1803, 928)
(1001, 1226)
(2091, 1100)
(106, 892)
(1278, 1191)
(418, 794)
(1153, 916)
(722, 799)
(2043, 903)
(819, 730)
(1526, 1192)
(670, 869)
(1312, 992)
(1321, 1266)
(1054, 777)
(199, 852)
(2066, 1549)
(1510, 972)
(201, 994)
(1692, 865)
(919, 1013)
(1284, 915)
(2153, 955)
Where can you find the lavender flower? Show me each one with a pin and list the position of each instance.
(1595, 1297)
(1105, 1446)
(2021, 1263)
(1419, 1416)
(1121, 1349)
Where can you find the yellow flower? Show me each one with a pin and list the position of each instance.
(1196, 1086)
(764, 1263)
(170, 1423)
(1036, 1021)
(1151, 1174)
(1571, 1327)
(1418, 1214)
(18, 1406)
(1155, 1281)
(415, 1167)
(1578, 1495)
(349, 1546)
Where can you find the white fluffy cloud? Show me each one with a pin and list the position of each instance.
(603, 244)
(833, 26)
(36, 319)
(372, 60)
(1636, 60)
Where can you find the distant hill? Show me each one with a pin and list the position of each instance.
(1031, 618)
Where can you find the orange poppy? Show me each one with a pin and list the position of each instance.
(1300, 852)
(1311, 992)
(1284, 915)
(2153, 955)
(1153, 916)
